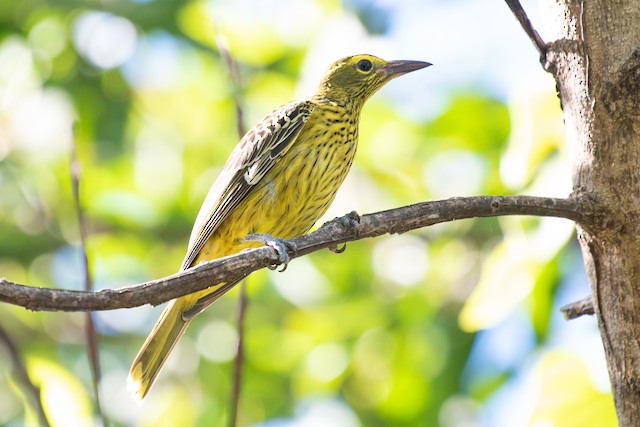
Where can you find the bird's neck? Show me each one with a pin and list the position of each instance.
(340, 100)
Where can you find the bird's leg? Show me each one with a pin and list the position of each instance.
(281, 246)
(349, 222)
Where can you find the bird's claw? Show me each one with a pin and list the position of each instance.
(281, 246)
(337, 249)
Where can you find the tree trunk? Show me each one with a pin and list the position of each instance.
(594, 54)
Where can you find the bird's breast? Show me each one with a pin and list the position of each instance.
(302, 185)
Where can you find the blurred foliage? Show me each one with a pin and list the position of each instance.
(392, 332)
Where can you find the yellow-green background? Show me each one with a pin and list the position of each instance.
(456, 325)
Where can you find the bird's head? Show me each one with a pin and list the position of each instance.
(356, 78)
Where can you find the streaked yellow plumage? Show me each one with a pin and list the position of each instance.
(281, 177)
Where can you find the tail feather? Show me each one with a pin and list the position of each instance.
(156, 349)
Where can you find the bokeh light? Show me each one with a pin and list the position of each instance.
(106, 40)
(454, 325)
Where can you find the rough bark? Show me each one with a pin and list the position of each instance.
(594, 54)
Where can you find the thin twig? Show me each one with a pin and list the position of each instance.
(236, 86)
(238, 362)
(243, 301)
(576, 309)
(236, 267)
(89, 325)
(522, 17)
(22, 377)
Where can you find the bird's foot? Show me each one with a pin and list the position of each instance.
(281, 246)
(348, 222)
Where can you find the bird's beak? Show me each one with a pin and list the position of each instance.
(398, 68)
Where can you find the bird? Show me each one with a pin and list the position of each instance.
(277, 182)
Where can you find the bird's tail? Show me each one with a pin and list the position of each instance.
(156, 349)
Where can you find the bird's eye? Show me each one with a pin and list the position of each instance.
(364, 65)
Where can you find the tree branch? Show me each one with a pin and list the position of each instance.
(341, 230)
(522, 17)
(579, 308)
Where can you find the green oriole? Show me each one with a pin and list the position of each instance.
(280, 178)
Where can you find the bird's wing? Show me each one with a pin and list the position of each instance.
(253, 157)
